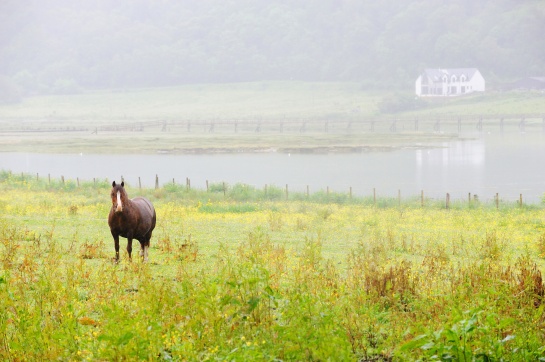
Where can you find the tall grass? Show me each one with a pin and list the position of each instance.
(250, 277)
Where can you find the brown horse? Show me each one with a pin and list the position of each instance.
(131, 219)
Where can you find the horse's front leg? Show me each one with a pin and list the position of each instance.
(129, 246)
(116, 246)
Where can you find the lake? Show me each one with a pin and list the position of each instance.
(509, 165)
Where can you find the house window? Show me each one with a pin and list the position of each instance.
(445, 79)
(463, 78)
(462, 89)
(424, 90)
(453, 79)
(453, 90)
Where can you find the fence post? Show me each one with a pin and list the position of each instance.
(497, 200)
(421, 198)
(139, 183)
(374, 197)
(62, 178)
(156, 181)
(49, 179)
(77, 179)
(224, 190)
(308, 192)
(469, 198)
(399, 198)
(37, 177)
(448, 201)
(350, 192)
(286, 191)
(207, 186)
(520, 200)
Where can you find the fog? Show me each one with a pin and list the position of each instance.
(66, 46)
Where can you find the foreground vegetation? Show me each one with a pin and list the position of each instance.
(248, 276)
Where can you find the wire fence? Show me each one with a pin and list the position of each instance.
(241, 191)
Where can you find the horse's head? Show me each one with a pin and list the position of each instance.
(119, 196)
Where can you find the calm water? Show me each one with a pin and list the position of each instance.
(509, 165)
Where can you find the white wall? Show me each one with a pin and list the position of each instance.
(418, 86)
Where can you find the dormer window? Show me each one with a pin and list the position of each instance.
(445, 79)
(453, 79)
(463, 78)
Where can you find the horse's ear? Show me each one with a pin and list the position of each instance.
(122, 183)
(113, 184)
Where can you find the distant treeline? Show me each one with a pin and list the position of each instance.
(64, 46)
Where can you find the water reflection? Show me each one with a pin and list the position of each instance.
(463, 153)
(456, 168)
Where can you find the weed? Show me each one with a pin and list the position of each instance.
(73, 210)
(187, 249)
(541, 245)
(92, 250)
(492, 247)
(10, 245)
(528, 282)
(275, 221)
(324, 212)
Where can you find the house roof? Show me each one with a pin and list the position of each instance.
(437, 74)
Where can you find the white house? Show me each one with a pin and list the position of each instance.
(449, 82)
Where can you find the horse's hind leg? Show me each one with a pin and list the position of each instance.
(145, 247)
(144, 250)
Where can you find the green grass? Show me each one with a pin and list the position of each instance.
(250, 276)
(240, 101)
(247, 101)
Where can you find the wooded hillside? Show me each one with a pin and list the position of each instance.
(63, 46)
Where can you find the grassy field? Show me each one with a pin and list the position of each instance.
(254, 101)
(250, 276)
(243, 117)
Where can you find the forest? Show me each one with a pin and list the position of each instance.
(64, 47)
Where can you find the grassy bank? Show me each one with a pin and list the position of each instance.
(247, 276)
(184, 143)
(248, 117)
